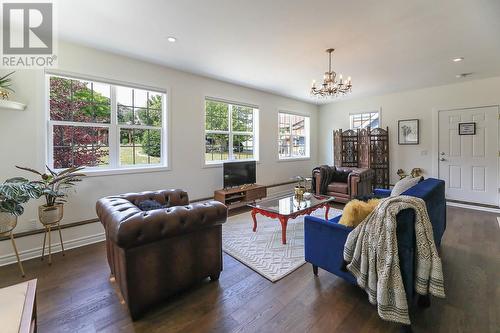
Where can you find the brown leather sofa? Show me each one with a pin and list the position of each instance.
(156, 253)
(358, 183)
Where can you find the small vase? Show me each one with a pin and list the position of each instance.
(51, 214)
(299, 192)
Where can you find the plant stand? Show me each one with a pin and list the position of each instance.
(48, 229)
(50, 217)
(7, 224)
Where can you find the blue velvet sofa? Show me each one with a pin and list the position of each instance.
(325, 239)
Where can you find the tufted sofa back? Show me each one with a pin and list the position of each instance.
(128, 226)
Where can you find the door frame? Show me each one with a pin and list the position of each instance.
(435, 143)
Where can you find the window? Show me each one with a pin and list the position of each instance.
(293, 136)
(104, 126)
(230, 131)
(363, 120)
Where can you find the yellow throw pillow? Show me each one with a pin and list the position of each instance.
(356, 211)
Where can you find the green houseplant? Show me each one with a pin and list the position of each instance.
(6, 85)
(54, 186)
(13, 193)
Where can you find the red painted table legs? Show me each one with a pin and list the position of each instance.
(284, 222)
(254, 212)
(284, 218)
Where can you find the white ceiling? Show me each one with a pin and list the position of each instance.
(278, 45)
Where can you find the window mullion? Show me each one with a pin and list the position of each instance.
(230, 154)
(114, 132)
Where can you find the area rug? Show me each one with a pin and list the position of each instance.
(262, 250)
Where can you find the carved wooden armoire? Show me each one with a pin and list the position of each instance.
(365, 148)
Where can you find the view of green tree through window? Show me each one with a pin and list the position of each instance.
(100, 125)
(293, 141)
(230, 131)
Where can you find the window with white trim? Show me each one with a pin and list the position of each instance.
(294, 136)
(230, 131)
(104, 126)
(365, 119)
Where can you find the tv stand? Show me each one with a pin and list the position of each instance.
(240, 196)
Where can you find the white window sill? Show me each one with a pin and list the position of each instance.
(121, 171)
(294, 159)
(219, 164)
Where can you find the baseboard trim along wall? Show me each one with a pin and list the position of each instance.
(471, 206)
(36, 236)
(56, 247)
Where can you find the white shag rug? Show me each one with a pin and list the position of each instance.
(262, 250)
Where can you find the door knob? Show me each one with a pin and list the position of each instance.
(442, 159)
(442, 153)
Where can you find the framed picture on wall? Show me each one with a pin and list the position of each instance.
(408, 132)
(467, 129)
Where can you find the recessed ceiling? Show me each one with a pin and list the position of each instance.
(279, 45)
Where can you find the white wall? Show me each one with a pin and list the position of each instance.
(23, 141)
(420, 104)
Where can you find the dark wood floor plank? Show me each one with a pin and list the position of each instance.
(75, 294)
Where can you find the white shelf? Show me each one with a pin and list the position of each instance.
(11, 105)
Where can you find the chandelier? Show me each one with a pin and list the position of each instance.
(331, 87)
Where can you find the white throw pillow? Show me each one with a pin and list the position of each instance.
(403, 185)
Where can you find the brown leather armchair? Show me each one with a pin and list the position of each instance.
(359, 182)
(156, 253)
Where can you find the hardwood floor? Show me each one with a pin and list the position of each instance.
(75, 294)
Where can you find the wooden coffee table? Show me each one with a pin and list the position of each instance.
(289, 207)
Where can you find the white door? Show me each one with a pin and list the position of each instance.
(469, 163)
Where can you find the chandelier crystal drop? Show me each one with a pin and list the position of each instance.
(331, 87)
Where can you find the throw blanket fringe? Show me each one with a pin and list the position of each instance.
(371, 252)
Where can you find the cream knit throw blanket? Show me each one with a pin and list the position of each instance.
(371, 252)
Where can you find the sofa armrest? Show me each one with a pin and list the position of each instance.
(360, 181)
(128, 226)
(324, 244)
(382, 192)
(317, 176)
(327, 225)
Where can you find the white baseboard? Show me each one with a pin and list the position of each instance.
(56, 247)
(36, 252)
(475, 207)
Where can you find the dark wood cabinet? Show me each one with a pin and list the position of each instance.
(238, 197)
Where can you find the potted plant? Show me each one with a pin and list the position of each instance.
(13, 193)
(54, 187)
(5, 86)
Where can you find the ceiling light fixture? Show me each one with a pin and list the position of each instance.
(331, 87)
(172, 39)
(458, 59)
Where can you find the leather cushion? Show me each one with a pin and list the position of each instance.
(338, 187)
(340, 176)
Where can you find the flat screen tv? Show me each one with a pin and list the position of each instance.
(239, 173)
